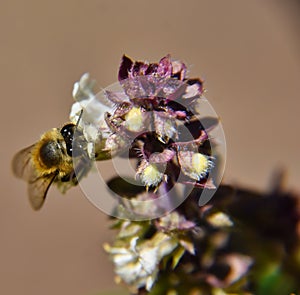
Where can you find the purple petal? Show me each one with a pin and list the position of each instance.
(194, 85)
(178, 70)
(177, 93)
(163, 157)
(165, 67)
(125, 67)
(152, 69)
(165, 126)
(139, 68)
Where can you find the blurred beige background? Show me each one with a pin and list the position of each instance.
(248, 53)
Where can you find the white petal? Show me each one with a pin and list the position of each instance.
(122, 259)
(219, 219)
(129, 272)
(149, 259)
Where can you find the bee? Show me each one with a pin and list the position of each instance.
(50, 160)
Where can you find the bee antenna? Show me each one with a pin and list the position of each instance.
(79, 118)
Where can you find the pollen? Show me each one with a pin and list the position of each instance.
(151, 176)
(134, 120)
(200, 163)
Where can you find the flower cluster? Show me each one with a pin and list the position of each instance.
(187, 251)
(241, 242)
(140, 249)
(153, 116)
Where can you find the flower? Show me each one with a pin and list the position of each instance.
(150, 112)
(219, 219)
(137, 261)
(150, 174)
(242, 242)
(153, 113)
(94, 106)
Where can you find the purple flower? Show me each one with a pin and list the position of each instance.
(154, 114)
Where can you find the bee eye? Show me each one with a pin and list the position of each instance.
(50, 154)
(67, 133)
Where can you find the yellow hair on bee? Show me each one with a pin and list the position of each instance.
(49, 155)
(50, 161)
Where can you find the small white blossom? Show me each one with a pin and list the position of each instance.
(219, 219)
(94, 106)
(137, 264)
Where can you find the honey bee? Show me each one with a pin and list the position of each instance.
(50, 160)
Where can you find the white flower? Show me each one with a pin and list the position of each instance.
(94, 106)
(219, 219)
(137, 264)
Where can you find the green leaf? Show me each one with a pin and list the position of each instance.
(178, 253)
(275, 282)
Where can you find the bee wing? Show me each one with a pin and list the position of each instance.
(38, 185)
(22, 164)
(82, 167)
(37, 190)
